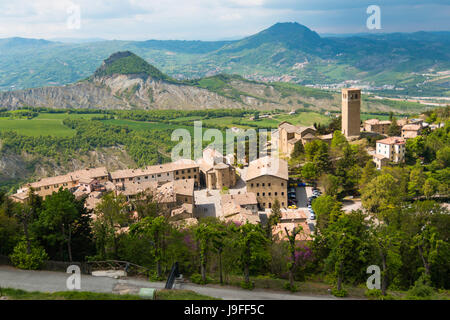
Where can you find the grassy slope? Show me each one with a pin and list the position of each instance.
(16, 294)
(44, 124)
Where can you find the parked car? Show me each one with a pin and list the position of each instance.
(291, 189)
(302, 184)
(292, 207)
(312, 216)
(291, 202)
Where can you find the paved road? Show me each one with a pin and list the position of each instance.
(49, 281)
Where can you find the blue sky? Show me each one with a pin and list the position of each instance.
(209, 19)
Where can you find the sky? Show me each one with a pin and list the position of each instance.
(209, 19)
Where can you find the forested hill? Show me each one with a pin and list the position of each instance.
(416, 62)
(126, 81)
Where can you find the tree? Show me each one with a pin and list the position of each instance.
(381, 193)
(26, 213)
(153, 230)
(112, 214)
(369, 172)
(293, 263)
(57, 219)
(430, 187)
(348, 242)
(309, 172)
(387, 242)
(251, 244)
(416, 181)
(205, 233)
(394, 129)
(327, 210)
(274, 218)
(298, 149)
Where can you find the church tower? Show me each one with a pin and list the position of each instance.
(351, 112)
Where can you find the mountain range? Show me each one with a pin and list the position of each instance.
(126, 81)
(415, 63)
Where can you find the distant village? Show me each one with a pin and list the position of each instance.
(214, 187)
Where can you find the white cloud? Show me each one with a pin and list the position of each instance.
(207, 19)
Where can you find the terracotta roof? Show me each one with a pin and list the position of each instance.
(287, 216)
(392, 140)
(288, 127)
(244, 217)
(242, 199)
(279, 231)
(309, 136)
(89, 173)
(52, 181)
(267, 166)
(184, 187)
(412, 127)
(156, 169)
(379, 156)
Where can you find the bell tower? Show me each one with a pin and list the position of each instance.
(351, 112)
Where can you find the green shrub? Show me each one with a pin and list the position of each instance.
(247, 285)
(376, 294)
(32, 261)
(288, 286)
(197, 278)
(339, 293)
(421, 289)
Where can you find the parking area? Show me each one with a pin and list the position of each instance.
(301, 196)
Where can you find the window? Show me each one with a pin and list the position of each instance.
(276, 193)
(282, 184)
(130, 179)
(269, 194)
(282, 204)
(257, 194)
(189, 177)
(159, 175)
(264, 194)
(270, 205)
(268, 184)
(176, 172)
(257, 184)
(189, 171)
(251, 185)
(282, 193)
(263, 184)
(195, 176)
(182, 171)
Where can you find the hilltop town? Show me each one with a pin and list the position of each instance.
(215, 186)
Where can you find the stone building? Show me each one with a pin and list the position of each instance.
(267, 177)
(46, 186)
(390, 149)
(377, 126)
(240, 208)
(351, 112)
(410, 131)
(216, 172)
(161, 173)
(289, 135)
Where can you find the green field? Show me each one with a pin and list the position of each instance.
(302, 118)
(144, 125)
(44, 124)
(36, 127)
